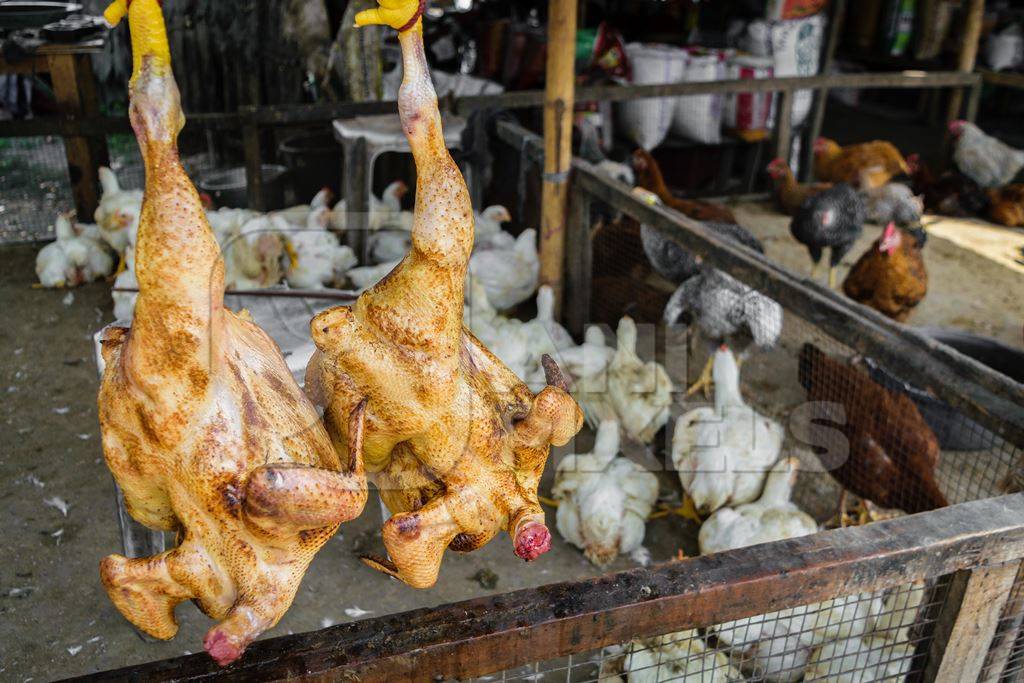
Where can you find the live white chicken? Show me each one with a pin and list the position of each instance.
(723, 453)
(318, 259)
(681, 657)
(982, 158)
(72, 259)
(509, 275)
(604, 500)
(118, 212)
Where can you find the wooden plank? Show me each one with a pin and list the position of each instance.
(75, 91)
(837, 15)
(967, 623)
(559, 102)
(74, 125)
(578, 263)
(286, 115)
(987, 396)
(784, 125)
(253, 167)
(1009, 80)
(968, 53)
(318, 113)
(489, 634)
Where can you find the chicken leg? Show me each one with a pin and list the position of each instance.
(203, 426)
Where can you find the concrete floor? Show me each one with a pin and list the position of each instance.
(57, 621)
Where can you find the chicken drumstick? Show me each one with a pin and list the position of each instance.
(203, 426)
(455, 442)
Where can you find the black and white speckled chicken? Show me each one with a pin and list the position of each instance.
(675, 262)
(725, 311)
(833, 219)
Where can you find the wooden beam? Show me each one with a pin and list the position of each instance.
(253, 167)
(784, 125)
(968, 53)
(967, 623)
(300, 115)
(837, 16)
(578, 262)
(75, 90)
(559, 102)
(485, 635)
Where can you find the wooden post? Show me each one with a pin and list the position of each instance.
(784, 125)
(253, 166)
(968, 53)
(578, 263)
(838, 14)
(75, 90)
(559, 100)
(967, 622)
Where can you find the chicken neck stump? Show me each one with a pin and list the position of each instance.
(455, 442)
(203, 426)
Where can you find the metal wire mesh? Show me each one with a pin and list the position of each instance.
(857, 638)
(856, 426)
(34, 187)
(854, 414)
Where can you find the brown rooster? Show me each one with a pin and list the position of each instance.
(1007, 205)
(789, 194)
(890, 277)
(950, 194)
(648, 176)
(871, 164)
(875, 444)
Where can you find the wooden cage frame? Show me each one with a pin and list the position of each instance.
(977, 546)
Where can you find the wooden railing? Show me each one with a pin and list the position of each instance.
(980, 544)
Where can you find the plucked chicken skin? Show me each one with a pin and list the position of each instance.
(203, 426)
(455, 442)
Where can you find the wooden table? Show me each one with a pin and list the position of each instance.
(70, 69)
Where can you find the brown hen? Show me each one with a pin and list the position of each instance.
(890, 277)
(204, 428)
(1007, 205)
(789, 194)
(876, 444)
(649, 177)
(455, 442)
(868, 164)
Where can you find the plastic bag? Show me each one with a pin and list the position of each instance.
(795, 48)
(646, 122)
(699, 117)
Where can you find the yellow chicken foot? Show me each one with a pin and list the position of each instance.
(832, 278)
(688, 510)
(550, 502)
(703, 382)
(122, 265)
(815, 269)
(400, 15)
(293, 256)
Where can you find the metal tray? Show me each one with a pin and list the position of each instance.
(17, 15)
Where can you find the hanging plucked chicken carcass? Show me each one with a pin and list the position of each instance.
(203, 426)
(455, 442)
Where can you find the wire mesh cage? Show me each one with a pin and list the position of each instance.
(873, 636)
(34, 187)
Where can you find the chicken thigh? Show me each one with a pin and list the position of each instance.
(455, 442)
(203, 426)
